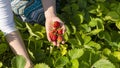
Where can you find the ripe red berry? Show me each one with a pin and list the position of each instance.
(59, 38)
(53, 37)
(56, 24)
(60, 31)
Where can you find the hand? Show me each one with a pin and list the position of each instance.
(49, 26)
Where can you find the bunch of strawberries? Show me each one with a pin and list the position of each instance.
(57, 33)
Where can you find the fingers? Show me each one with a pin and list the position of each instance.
(47, 32)
(64, 29)
(48, 37)
(54, 43)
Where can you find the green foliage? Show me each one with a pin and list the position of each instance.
(92, 38)
(75, 53)
(103, 63)
(41, 65)
(1, 64)
(3, 47)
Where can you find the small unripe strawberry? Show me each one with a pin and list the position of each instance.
(60, 31)
(56, 24)
(59, 39)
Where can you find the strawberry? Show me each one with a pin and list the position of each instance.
(56, 24)
(53, 36)
(60, 31)
(59, 38)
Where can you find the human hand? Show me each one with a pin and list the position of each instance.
(49, 28)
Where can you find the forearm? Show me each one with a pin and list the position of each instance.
(7, 26)
(17, 45)
(49, 8)
(15, 41)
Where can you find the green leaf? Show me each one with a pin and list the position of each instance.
(73, 27)
(66, 36)
(83, 64)
(118, 9)
(112, 15)
(81, 15)
(118, 25)
(93, 22)
(67, 9)
(3, 47)
(86, 28)
(116, 54)
(75, 63)
(41, 65)
(105, 35)
(82, 4)
(94, 44)
(74, 7)
(18, 62)
(95, 31)
(75, 53)
(106, 51)
(100, 23)
(68, 30)
(86, 38)
(74, 42)
(1, 64)
(79, 39)
(63, 50)
(61, 61)
(103, 63)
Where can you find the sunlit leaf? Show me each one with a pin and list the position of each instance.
(18, 62)
(103, 63)
(1, 64)
(75, 63)
(75, 53)
(118, 25)
(95, 31)
(41, 65)
(112, 16)
(94, 45)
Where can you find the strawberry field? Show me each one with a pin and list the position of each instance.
(92, 38)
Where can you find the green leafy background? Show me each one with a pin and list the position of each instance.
(92, 38)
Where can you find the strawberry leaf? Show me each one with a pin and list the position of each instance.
(75, 53)
(103, 63)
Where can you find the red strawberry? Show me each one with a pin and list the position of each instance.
(56, 24)
(53, 37)
(60, 31)
(59, 39)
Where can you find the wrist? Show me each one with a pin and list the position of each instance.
(49, 13)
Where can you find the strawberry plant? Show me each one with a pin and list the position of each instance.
(92, 38)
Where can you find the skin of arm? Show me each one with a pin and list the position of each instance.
(17, 45)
